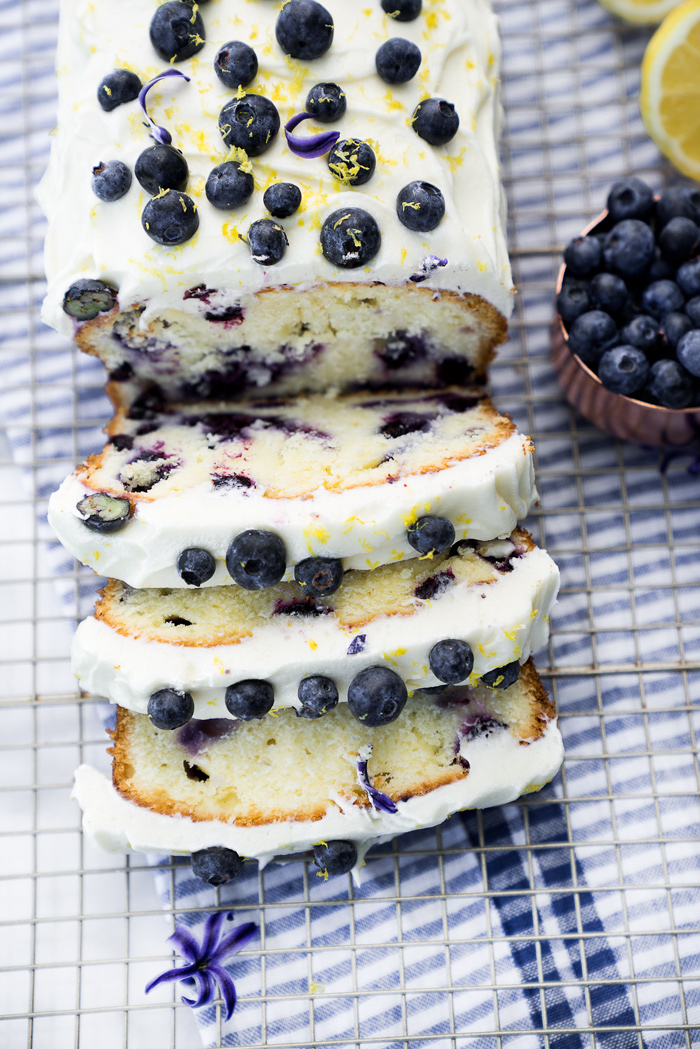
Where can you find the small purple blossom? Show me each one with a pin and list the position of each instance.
(356, 645)
(429, 263)
(314, 145)
(158, 134)
(379, 801)
(205, 962)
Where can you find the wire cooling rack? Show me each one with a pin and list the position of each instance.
(581, 902)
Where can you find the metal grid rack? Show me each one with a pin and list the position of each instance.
(582, 896)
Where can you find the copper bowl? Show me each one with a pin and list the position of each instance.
(623, 417)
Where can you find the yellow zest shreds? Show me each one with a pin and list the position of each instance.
(410, 204)
(391, 102)
(230, 232)
(241, 157)
(313, 645)
(341, 219)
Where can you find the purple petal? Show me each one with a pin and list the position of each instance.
(159, 134)
(206, 990)
(185, 943)
(313, 145)
(228, 988)
(212, 931)
(235, 941)
(379, 801)
(171, 975)
(429, 263)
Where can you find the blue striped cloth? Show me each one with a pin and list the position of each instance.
(572, 915)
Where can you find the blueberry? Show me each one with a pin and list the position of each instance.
(629, 248)
(195, 566)
(420, 206)
(502, 677)
(335, 857)
(117, 88)
(572, 301)
(267, 242)
(583, 256)
(608, 293)
(102, 512)
(398, 60)
(673, 327)
(591, 335)
(282, 199)
(688, 278)
(161, 167)
(169, 708)
(350, 238)
(630, 198)
(249, 122)
(111, 181)
(304, 29)
(662, 297)
(402, 10)
(86, 298)
(688, 352)
(435, 120)
(376, 696)
(642, 332)
(228, 186)
(326, 102)
(177, 31)
(431, 533)
(216, 865)
(451, 661)
(236, 64)
(319, 576)
(433, 690)
(317, 696)
(670, 385)
(624, 369)
(678, 202)
(660, 268)
(692, 308)
(249, 700)
(679, 239)
(256, 559)
(170, 219)
(352, 161)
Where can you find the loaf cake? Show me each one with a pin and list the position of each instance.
(273, 787)
(393, 268)
(345, 478)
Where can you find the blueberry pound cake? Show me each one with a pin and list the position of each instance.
(290, 196)
(205, 495)
(263, 789)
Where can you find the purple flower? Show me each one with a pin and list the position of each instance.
(379, 801)
(314, 145)
(159, 134)
(429, 263)
(205, 962)
(357, 644)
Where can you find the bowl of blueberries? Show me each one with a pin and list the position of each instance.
(626, 338)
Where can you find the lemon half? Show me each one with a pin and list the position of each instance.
(640, 12)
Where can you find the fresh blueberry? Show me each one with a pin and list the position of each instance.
(250, 122)
(630, 198)
(326, 103)
(431, 533)
(282, 199)
(216, 865)
(102, 512)
(688, 278)
(111, 181)
(256, 559)
(236, 64)
(402, 10)
(662, 297)
(304, 29)
(678, 202)
(660, 269)
(679, 239)
(169, 708)
(335, 857)
(398, 60)
(502, 677)
(670, 385)
(591, 335)
(435, 120)
(267, 242)
(629, 248)
(86, 298)
(352, 162)
(117, 88)
(350, 238)
(688, 352)
(642, 332)
(317, 696)
(572, 301)
(195, 566)
(170, 219)
(319, 576)
(376, 696)
(161, 167)
(420, 206)
(624, 369)
(451, 661)
(673, 327)
(583, 256)
(228, 186)
(249, 700)
(433, 690)
(608, 293)
(177, 31)
(692, 308)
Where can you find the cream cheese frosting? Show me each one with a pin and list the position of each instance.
(91, 238)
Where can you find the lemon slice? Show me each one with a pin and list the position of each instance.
(670, 95)
(640, 12)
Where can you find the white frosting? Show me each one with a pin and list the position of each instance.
(501, 769)
(90, 238)
(502, 621)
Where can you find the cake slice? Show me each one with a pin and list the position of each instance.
(269, 788)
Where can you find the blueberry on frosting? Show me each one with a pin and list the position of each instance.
(267, 242)
(282, 199)
(111, 181)
(304, 29)
(250, 700)
(169, 708)
(503, 677)
(317, 695)
(161, 167)
(256, 559)
(228, 186)
(431, 533)
(195, 566)
(217, 864)
(102, 512)
(170, 218)
(326, 103)
(335, 857)
(352, 161)
(451, 661)
(86, 298)
(376, 696)
(236, 64)
(398, 60)
(319, 576)
(420, 206)
(350, 238)
(435, 120)
(177, 31)
(402, 10)
(250, 122)
(117, 88)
